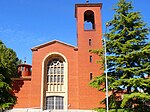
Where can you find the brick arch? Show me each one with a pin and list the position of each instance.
(89, 20)
(45, 62)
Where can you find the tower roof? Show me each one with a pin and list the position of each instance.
(24, 64)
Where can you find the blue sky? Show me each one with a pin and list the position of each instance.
(28, 23)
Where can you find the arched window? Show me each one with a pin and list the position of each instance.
(89, 22)
(54, 103)
(55, 71)
(55, 74)
(55, 82)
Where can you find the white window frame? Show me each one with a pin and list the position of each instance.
(56, 102)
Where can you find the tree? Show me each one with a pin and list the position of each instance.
(128, 59)
(8, 69)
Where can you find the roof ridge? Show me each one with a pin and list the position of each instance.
(51, 42)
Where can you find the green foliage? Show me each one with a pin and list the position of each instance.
(128, 58)
(113, 110)
(139, 101)
(134, 96)
(8, 69)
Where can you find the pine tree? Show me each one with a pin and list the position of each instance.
(8, 69)
(128, 59)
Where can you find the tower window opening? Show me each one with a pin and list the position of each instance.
(22, 68)
(89, 23)
(90, 42)
(90, 59)
(91, 76)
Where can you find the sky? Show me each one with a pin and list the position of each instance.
(28, 23)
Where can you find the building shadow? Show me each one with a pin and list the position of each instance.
(17, 85)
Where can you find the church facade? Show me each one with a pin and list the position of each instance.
(61, 72)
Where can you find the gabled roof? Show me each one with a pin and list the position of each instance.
(50, 43)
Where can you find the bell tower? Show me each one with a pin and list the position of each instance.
(89, 36)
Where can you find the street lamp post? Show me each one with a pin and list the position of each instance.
(107, 108)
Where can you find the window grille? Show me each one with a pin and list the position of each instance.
(55, 74)
(54, 103)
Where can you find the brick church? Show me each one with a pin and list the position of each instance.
(61, 72)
